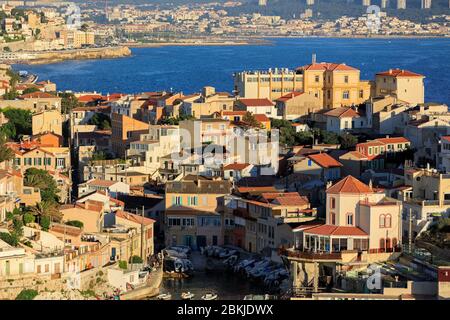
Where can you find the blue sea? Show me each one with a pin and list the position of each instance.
(189, 68)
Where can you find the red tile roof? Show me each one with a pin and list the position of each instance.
(349, 185)
(236, 166)
(324, 160)
(331, 230)
(101, 183)
(261, 117)
(37, 94)
(399, 73)
(234, 113)
(326, 66)
(134, 218)
(289, 96)
(393, 140)
(357, 154)
(342, 112)
(256, 102)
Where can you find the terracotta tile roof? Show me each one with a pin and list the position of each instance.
(393, 140)
(90, 98)
(331, 230)
(324, 160)
(326, 66)
(399, 73)
(357, 154)
(236, 166)
(349, 184)
(342, 112)
(256, 189)
(101, 183)
(65, 229)
(134, 218)
(256, 102)
(289, 96)
(234, 113)
(292, 201)
(37, 94)
(261, 117)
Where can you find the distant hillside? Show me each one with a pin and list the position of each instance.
(322, 9)
(332, 9)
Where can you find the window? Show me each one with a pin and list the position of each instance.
(317, 78)
(177, 200)
(382, 243)
(332, 203)
(346, 79)
(332, 218)
(346, 94)
(60, 162)
(350, 219)
(382, 221)
(387, 221)
(47, 161)
(361, 94)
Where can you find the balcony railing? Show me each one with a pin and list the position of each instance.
(310, 255)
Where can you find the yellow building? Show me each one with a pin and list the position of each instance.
(336, 84)
(47, 121)
(402, 84)
(193, 211)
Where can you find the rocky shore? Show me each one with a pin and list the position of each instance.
(76, 54)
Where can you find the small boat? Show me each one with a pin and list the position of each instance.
(209, 296)
(164, 296)
(187, 295)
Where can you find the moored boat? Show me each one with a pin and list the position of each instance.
(187, 295)
(209, 296)
(164, 296)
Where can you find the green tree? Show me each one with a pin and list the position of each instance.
(6, 153)
(19, 122)
(136, 259)
(251, 120)
(28, 218)
(348, 141)
(45, 223)
(14, 77)
(101, 120)
(27, 294)
(9, 239)
(68, 102)
(30, 90)
(41, 179)
(46, 209)
(11, 95)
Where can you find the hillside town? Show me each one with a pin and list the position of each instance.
(29, 30)
(310, 179)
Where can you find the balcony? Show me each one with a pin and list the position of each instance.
(312, 256)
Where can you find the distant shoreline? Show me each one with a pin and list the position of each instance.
(258, 40)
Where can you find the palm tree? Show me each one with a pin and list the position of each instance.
(47, 208)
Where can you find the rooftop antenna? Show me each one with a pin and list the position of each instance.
(313, 60)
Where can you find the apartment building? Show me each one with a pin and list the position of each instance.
(362, 226)
(124, 131)
(47, 121)
(336, 84)
(257, 106)
(197, 132)
(194, 208)
(270, 84)
(157, 142)
(319, 165)
(207, 103)
(403, 84)
(426, 194)
(378, 151)
(33, 155)
(265, 221)
(34, 102)
(90, 213)
(294, 105)
(444, 154)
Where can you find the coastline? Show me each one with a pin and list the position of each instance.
(48, 57)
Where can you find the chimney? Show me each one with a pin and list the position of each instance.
(313, 60)
(329, 184)
(390, 71)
